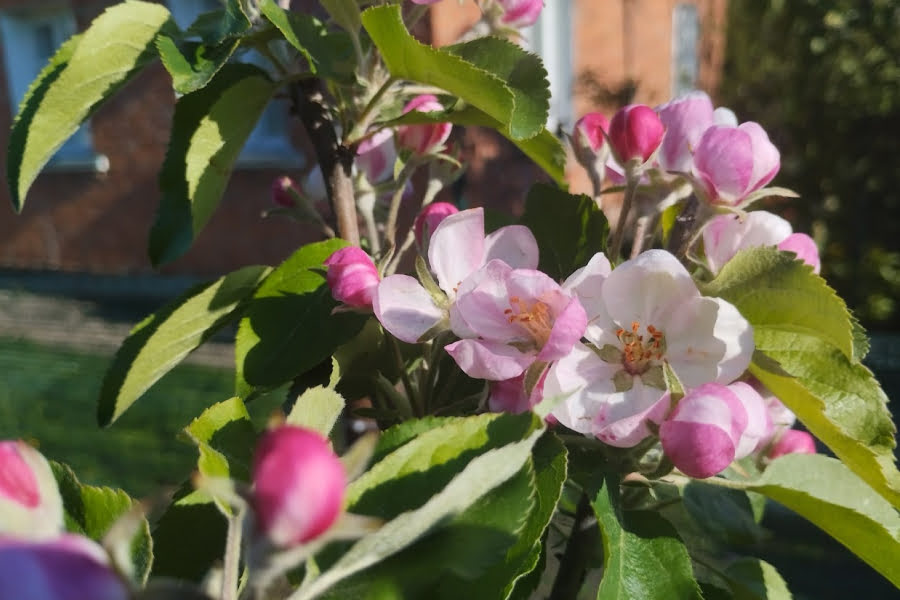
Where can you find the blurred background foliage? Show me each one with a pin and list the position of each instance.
(823, 77)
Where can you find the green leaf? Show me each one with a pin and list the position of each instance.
(827, 493)
(217, 26)
(288, 326)
(775, 291)
(317, 408)
(569, 229)
(91, 511)
(329, 55)
(209, 129)
(345, 13)
(642, 555)
(191, 64)
(723, 515)
(481, 475)
(225, 437)
(839, 402)
(164, 338)
(467, 71)
(82, 74)
(755, 579)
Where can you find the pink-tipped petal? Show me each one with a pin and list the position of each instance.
(804, 247)
(685, 120)
(429, 218)
(456, 249)
(405, 308)
(725, 235)
(494, 361)
(521, 13)
(515, 245)
(723, 161)
(426, 138)
(759, 423)
(793, 441)
(588, 133)
(30, 504)
(352, 277)
(568, 327)
(766, 158)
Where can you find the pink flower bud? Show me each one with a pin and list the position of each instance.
(299, 485)
(30, 504)
(352, 277)
(759, 422)
(69, 567)
(423, 139)
(685, 120)
(804, 247)
(425, 1)
(635, 133)
(589, 130)
(281, 191)
(793, 441)
(375, 156)
(702, 433)
(732, 162)
(520, 13)
(428, 220)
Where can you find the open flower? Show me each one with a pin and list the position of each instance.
(30, 504)
(457, 249)
(725, 235)
(510, 319)
(647, 312)
(732, 162)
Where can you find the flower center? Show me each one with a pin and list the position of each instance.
(535, 318)
(638, 354)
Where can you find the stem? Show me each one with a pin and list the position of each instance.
(390, 226)
(335, 159)
(681, 235)
(615, 246)
(573, 563)
(640, 234)
(365, 117)
(404, 377)
(231, 568)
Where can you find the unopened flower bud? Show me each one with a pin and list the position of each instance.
(701, 435)
(732, 162)
(759, 421)
(793, 441)
(804, 247)
(281, 191)
(30, 504)
(423, 139)
(635, 133)
(352, 276)
(428, 220)
(69, 567)
(520, 13)
(375, 156)
(298, 485)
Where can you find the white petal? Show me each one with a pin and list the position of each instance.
(622, 422)
(586, 283)
(456, 248)
(585, 381)
(515, 245)
(405, 308)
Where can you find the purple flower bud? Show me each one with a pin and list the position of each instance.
(685, 120)
(702, 433)
(635, 133)
(589, 130)
(423, 139)
(520, 13)
(732, 162)
(69, 567)
(352, 277)
(299, 485)
(804, 247)
(281, 191)
(793, 441)
(30, 504)
(428, 220)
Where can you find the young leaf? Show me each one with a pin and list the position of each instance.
(317, 408)
(826, 492)
(288, 326)
(193, 64)
(329, 55)
(481, 475)
(80, 77)
(518, 74)
(569, 229)
(345, 13)
(642, 555)
(839, 402)
(208, 131)
(164, 338)
(91, 511)
(755, 579)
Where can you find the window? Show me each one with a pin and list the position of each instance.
(551, 39)
(685, 58)
(29, 40)
(268, 144)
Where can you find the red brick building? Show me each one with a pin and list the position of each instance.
(91, 209)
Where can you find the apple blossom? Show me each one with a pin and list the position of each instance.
(281, 191)
(298, 485)
(457, 249)
(732, 162)
(635, 133)
(588, 141)
(703, 433)
(426, 138)
(759, 421)
(429, 218)
(646, 313)
(30, 504)
(725, 235)
(376, 155)
(510, 395)
(352, 277)
(512, 318)
(520, 13)
(792, 441)
(69, 567)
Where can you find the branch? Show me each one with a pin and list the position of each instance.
(335, 159)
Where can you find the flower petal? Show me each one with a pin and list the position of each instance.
(685, 119)
(586, 283)
(405, 308)
(495, 361)
(456, 249)
(515, 245)
(481, 301)
(622, 419)
(568, 327)
(723, 160)
(584, 381)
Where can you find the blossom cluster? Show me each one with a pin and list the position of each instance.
(604, 345)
